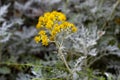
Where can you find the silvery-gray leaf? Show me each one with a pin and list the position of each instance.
(93, 52)
(3, 10)
(91, 43)
(79, 60)
(6, 38)
(112, 48)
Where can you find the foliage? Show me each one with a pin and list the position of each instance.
(91, 53)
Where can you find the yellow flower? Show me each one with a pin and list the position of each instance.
(41, 19)
(42, 32)
(52, 17)
(66, 24)
(54, 22)
(37, 39)
(49, 24)
(39, 25)
(47, 14)
(44, 39)
(62, 26)
(57, 29)
(53, 32)
(44, 43)
(55, 13)
(61, 17)
(74, 29)
(52, 37)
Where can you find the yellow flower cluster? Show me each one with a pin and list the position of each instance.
(42, 37)
(50, 24)
(48, 19)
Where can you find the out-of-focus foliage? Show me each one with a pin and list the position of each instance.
(97, 41)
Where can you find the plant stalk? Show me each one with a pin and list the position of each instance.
(112, 13)
(64, 60)
(62, 55)
(85, 54)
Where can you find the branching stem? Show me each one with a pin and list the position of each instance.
(112, 13)
(59, 46)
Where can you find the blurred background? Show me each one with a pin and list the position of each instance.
(18, 19)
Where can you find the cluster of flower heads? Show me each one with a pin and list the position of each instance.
(50, 24)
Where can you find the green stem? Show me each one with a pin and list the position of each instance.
(0, 51)
(85, 54)
(0, 54)
(114, 7)
(101, 3)
(64, 60)
(15, 64)
(62, 55)
(112, 13)
(96, 59)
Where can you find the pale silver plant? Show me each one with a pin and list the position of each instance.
(3, 11)
(112, 77)
(84, 41)
(5, 32)
(3, 28)
(5, 24)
